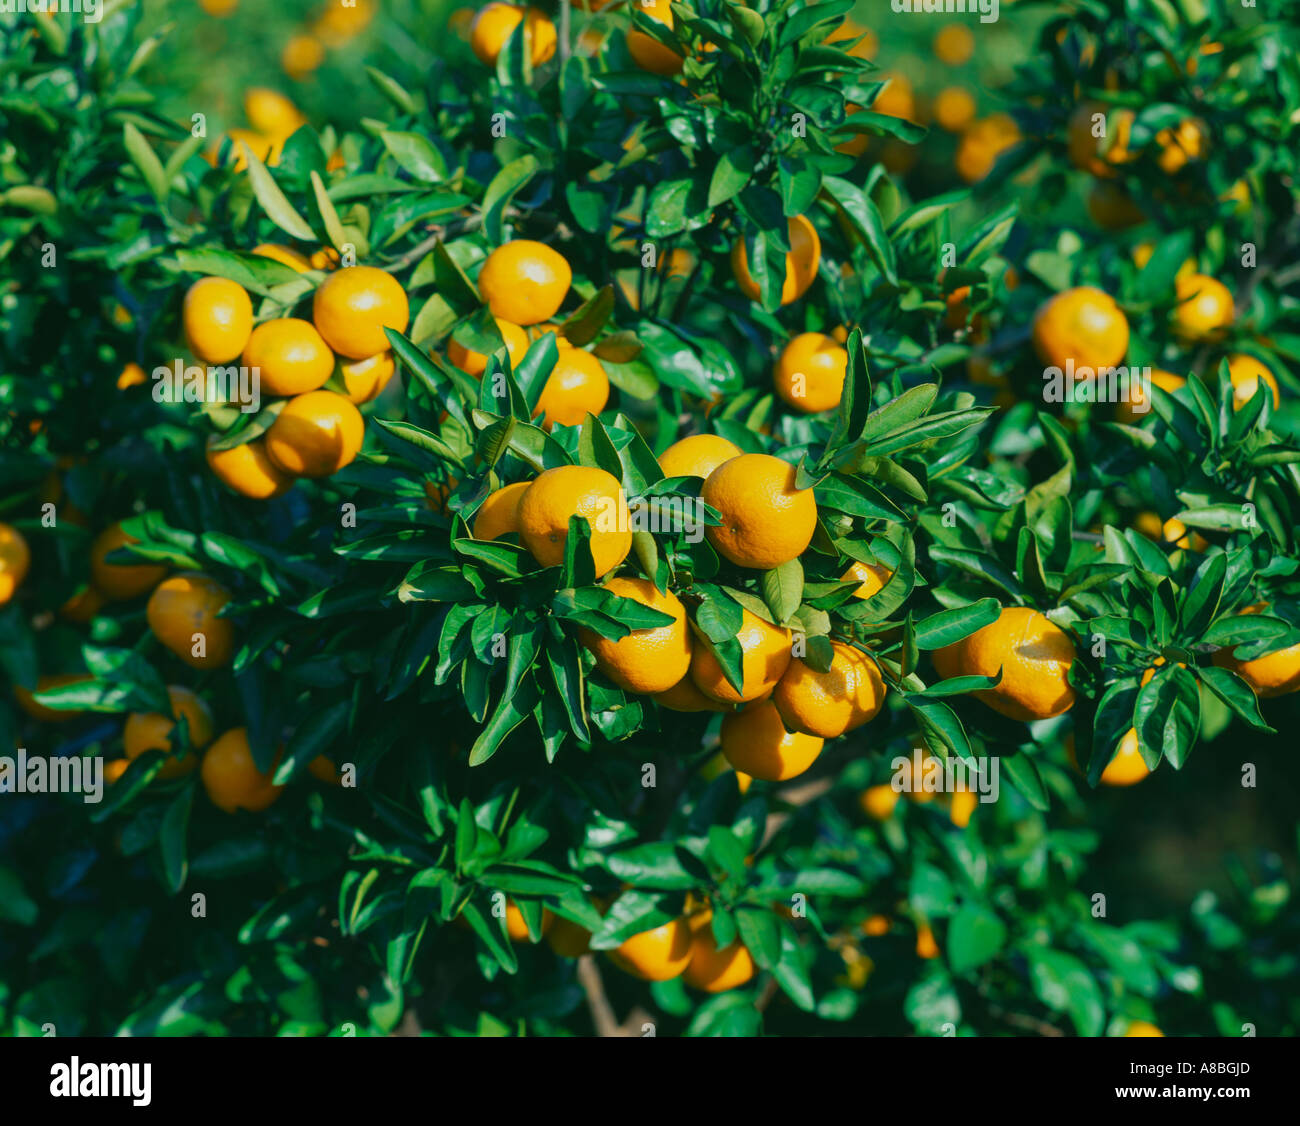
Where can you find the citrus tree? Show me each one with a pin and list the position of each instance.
(614, 544)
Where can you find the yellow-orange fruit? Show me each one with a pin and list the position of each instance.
(830, 703)
(757, 743)
(182, 611)
(646, 660)
(765, 655)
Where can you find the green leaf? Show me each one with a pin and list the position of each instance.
(146, 161)
(278, 209)
(975, 935)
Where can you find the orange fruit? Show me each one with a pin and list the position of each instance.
(326, 258)
(323, 769)
(765, 655)
(114, 770)
(657, 954)
(879, 802)
(36, 710)
(365, 379)
(1035, 656)
(757, 743)
(352, 307)
(649, 54)
(536, 332)
(1127, 409)
(766, 520)
(475, 363)
(809, 375)
(981, 144)
(575, 490)
(650, 660)
(266, 149)
(150, 731)
(316, 434)
(711, 969)
(183, 609)
(219, 8)
(15, 559)
(248, 469)
(271, 113)
(498, 515)
(1205, 308)
(897, 99)
(525, 282)
(926, 947)
(231, 778)
(801, 262)
(496, 22)
(876, 925)
(1181, 145)
(1142, 1028)
(517, 928)
(830, 703)
(954, 44)
(1100, 155)
(576, 387)
(217, 316)
(338, 23)
(567, 939)
(871, 578)
(290, 356)
(697, 456)
(685, 697)
(1273, 674)
(954, 108)
(1245, 372)
(119, 582)
(1084, 325)
(132, 375)
(302, 55)
(285, 255)
(1127, 767)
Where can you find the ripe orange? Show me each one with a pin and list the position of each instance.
(567, 939)
(316, 434)
(302, 55)
(1034, 655)
(498, 515)
(231, 778)
(365, 379)
(1084, 325)
(685, 697)
(82, 606)
(711, 969)
(897, 99)
(1274, 674)
(574, 490)
(646, 660)
(801, 262)
(114, 770)
(36, 710)
(289, 355)
(1142, 1028)
(271, 113)
(809, 375)
(576, 387)
(1205, 308)
(15, 558)
(954, 44)
(150, 731)
(954, 108)
(658, 954)
(871, 578)
(525, 282)
(285, 255)
(119, 582)
(926, 947)
(217, 316)
(353, 306)
(495, 23)
(697, 456)
(475, 363)
(517, 928)
(267, 149)
(879, 802)
(649, 54)
(1127, 767)
(830, 703)
(323, 769)
(766, 520)
(248, 469)
(183, 609)
(131, 375)
(1181, 145)
(1245, 372)
(765, 655)
(1100, 155)
(757, 743)
(1126, 410)
(982, 142)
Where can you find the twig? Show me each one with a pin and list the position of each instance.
(602, 1012)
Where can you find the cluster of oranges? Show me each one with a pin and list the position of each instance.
(317, 431)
